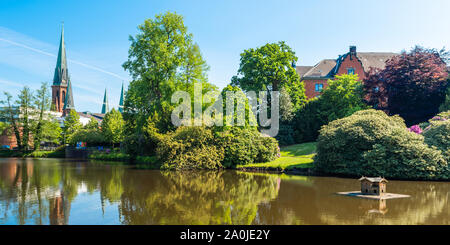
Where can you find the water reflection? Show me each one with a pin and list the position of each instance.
(73, 192)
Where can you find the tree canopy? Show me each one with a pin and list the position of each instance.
(412, 84)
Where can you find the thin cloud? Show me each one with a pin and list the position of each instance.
(70, 60)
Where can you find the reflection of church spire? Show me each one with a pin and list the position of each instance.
(122, 97)
(59, 210)
(105, 106)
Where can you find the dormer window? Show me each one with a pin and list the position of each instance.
(351, 71)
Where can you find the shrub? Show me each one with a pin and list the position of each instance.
(371, 143)
(438, 135)
(245, 146)
(189, 148)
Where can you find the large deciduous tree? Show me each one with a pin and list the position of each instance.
(269, 68)
(161, 60)
(412, 84)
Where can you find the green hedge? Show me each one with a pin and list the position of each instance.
(371, 143)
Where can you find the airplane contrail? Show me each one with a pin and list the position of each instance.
(73, 61)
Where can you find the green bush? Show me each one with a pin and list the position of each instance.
(373, 144)
(268, 149)
(245, 146)
(189, 148)
(203, 148)
(438, 135)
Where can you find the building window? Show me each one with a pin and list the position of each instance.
(376, 89)
(350, 71)
(319, 87)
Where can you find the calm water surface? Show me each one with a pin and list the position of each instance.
(59, 191)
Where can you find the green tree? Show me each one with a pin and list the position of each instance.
(43, 103)
(26, 114)
(161, 60)
(92, 124)
(51, 131)
(113, 126)
(11, 114)
(269, 68)
(71, 125)
(341, 98)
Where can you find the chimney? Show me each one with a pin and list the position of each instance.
(352, 51)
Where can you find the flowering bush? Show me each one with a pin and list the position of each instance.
(372, 143)
(415, 129)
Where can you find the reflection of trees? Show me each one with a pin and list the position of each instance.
(197, 198)
(43, 191)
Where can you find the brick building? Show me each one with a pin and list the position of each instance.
(315, 77)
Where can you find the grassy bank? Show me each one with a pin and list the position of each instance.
(142, 162)
(58, 153)
(293, 157)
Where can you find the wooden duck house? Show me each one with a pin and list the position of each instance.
(373, 185)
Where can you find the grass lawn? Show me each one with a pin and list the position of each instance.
(293, 156)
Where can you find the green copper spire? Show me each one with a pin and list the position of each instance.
(68, 101)
(122, 97)
(61, 76)
(105, 107)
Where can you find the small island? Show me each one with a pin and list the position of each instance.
(373, 188)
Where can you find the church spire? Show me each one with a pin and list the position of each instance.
(68, 101)
(105, 107)
(61, 76)
(122, 98)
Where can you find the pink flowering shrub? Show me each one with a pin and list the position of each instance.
(415, 129)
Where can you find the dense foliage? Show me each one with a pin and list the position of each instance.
(373, 144)
(206, 148)
(438, 135)
(112, 127)
(411, 85)
(190, 148)
(341, 98)
(245, 146)
(445, 106)
(28, 119)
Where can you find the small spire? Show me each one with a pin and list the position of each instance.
(122, 98)
(105, 106)
(68, 101)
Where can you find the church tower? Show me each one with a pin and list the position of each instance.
(61, 79)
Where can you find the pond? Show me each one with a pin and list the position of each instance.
(60, 191)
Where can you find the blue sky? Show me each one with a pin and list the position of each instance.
(96, 34)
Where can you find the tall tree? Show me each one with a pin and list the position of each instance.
(72, 124)
(43, 103)
(161, 60)
(268, 68)
(412, 84)
(26, 111)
